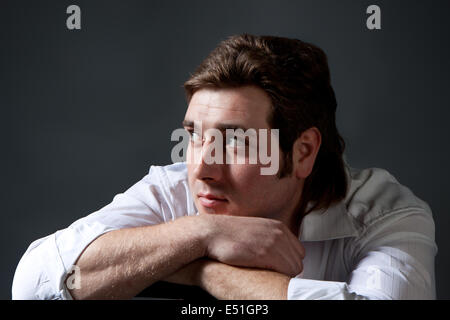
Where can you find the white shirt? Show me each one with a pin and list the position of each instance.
(376, 244)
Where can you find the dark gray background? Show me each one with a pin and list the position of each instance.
(85, 113)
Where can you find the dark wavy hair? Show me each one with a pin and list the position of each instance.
(296, 76)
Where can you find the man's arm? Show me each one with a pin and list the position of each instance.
(233, 283)
(121, 263)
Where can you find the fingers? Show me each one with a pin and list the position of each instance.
(291, 253)
(257, 242)
(296, 257)
(280, 259)
(298, 248)
(284, 251)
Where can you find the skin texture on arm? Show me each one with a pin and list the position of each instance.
(121, 263)
(229, 282)
(233, 283)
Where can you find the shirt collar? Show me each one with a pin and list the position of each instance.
(332, 223)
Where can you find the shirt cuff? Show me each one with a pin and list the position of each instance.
(305, 289)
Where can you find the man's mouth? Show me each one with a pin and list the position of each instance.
(210, 200)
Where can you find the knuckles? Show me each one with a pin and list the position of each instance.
(255, 243)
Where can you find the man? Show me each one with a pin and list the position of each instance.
(314, 230)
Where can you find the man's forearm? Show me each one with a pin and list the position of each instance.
(228, 282)
(121, 263)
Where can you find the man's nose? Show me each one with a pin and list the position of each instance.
(208, 168)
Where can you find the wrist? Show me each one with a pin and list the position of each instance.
(198, 231)
(204, 224)
(204, 267)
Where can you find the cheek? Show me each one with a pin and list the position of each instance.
(254, 191)
(247, 182)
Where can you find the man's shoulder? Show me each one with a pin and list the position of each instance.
(375, 193)
(169, 186)
(170, 175)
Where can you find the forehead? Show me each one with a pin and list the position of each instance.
(247, 106)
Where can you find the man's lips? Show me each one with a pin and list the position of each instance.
(210, 200)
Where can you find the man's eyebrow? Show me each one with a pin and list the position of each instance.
(187, 123)
(224, 126)
(220, 126)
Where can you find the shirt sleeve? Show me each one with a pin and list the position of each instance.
(42, 271)
(392, 259)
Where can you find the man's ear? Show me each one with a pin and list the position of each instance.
(305, 151)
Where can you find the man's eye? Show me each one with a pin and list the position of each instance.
(195, 137)
(234, 142)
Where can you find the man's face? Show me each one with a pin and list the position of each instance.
(236, 189)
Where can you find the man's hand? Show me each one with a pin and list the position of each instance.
(254, 242)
